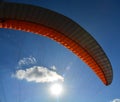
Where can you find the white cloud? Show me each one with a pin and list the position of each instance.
(53, 68)
(27, 61)
(116, 100)
(38, 74)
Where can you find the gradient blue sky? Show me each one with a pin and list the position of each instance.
(99, 17)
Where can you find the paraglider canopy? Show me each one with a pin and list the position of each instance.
(61, 29)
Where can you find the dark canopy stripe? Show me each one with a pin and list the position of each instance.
(61, 29)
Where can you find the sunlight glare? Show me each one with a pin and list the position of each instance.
(56, 89)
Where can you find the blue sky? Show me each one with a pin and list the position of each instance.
(21, 50)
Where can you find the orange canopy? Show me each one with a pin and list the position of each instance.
(61, 29)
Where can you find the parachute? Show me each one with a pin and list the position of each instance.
(48, 23)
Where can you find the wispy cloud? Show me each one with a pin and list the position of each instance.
(67, 69)
(116, 100)
(38, 74)
(27, 61)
